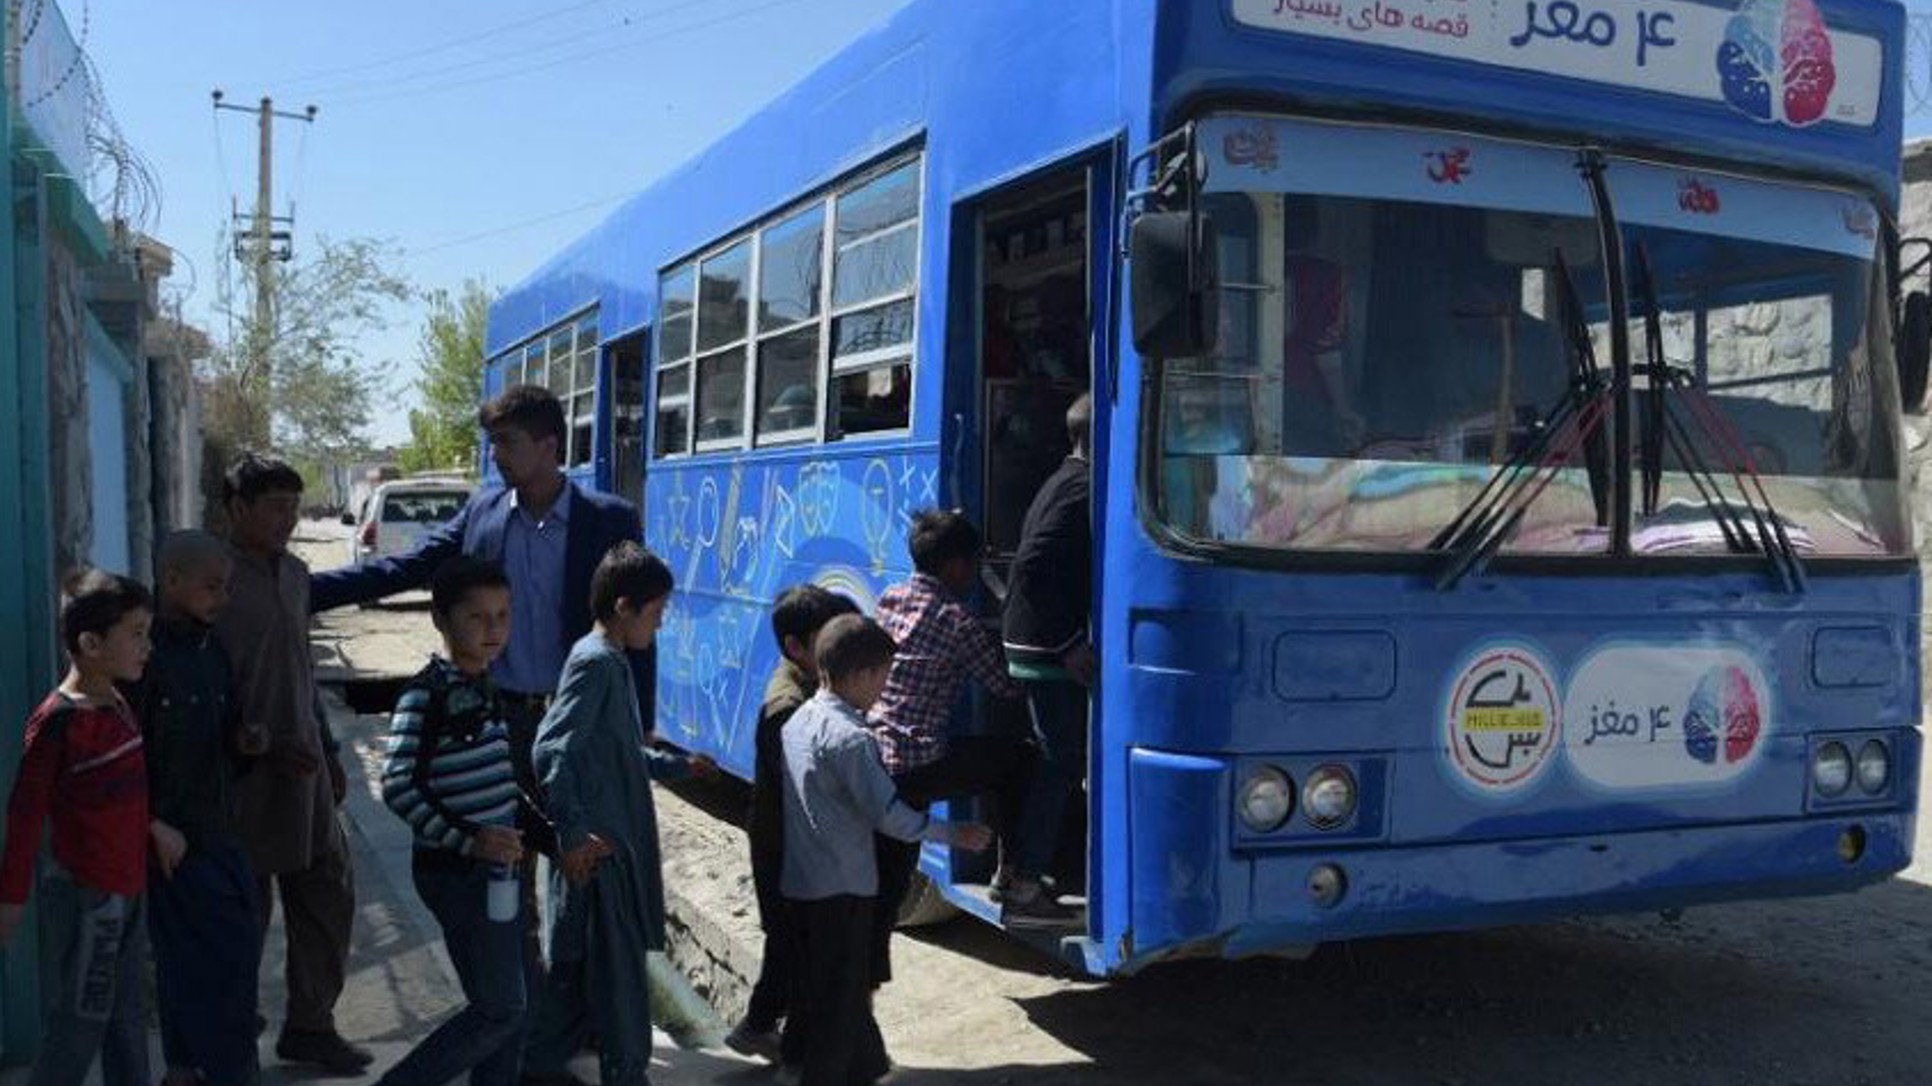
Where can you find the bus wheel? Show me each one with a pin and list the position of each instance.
(924, 905)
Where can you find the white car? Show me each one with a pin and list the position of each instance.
(400, 513)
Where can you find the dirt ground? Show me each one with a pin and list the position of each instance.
(1817, 991)
(1823, 991)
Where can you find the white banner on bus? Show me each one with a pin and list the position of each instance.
(1270, 154)
(1741, 207)
(1773, 60)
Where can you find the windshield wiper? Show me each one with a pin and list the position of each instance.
(1575, 423)
(1662, 425)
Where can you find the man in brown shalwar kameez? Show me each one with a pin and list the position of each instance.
(286, 804)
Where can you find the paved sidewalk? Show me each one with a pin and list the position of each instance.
(400, 981)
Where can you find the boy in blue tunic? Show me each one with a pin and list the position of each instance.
(595, 764)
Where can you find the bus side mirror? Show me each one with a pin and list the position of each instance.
(1914, 349)
(1175, 284)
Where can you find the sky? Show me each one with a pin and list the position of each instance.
(478, 136)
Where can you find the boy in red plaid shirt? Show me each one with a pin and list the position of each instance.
(942, 644)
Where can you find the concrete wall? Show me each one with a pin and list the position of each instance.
(76, 478)
(111, 539)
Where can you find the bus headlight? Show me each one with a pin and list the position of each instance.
(1831, 770)
(1265, 799)
(1874, 767)
(1328, 797)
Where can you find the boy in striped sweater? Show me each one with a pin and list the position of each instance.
(450, 776)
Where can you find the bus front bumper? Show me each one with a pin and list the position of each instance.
(1269, 903)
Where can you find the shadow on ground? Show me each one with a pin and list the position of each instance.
(1826, 991)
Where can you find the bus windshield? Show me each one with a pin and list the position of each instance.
(1770, 298)
(1393, 330)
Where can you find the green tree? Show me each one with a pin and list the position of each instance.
(294, 379)
(442, 427)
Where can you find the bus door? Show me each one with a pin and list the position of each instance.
(1032, 319)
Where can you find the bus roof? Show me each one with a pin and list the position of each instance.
(866, 99)
(989, 78)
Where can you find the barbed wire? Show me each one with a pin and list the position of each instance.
(76, 66)
(33, 24)
(120, 180)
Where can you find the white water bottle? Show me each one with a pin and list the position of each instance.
(504, 897)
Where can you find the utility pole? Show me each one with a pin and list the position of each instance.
(261, 249)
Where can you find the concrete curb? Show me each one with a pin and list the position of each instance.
(712, 917)
(716, 965)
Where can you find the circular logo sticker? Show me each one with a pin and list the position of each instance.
(1504, 721)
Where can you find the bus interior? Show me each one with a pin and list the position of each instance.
(1032, 292)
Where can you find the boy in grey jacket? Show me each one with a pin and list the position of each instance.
(836, 795)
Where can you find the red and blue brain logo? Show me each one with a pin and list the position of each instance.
(1775, 62)
(1723, 714)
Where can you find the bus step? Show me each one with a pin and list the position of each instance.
(981, 904)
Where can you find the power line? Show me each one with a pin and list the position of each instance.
(604, 31)
(363, 85)
(569, 59)
(509, 228)
(453, 43)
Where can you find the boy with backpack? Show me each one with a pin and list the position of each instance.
(451, 776)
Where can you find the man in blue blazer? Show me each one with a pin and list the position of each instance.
(546, 532)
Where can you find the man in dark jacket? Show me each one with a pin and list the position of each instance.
(1048, 648)
(548, 534)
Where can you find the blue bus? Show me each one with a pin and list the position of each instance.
(1498, 496)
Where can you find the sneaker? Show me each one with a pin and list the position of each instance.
(749, 1040)
(327, 1051)
(1028, 899)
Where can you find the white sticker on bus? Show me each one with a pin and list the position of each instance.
(1775, 61)
(1666, 716)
